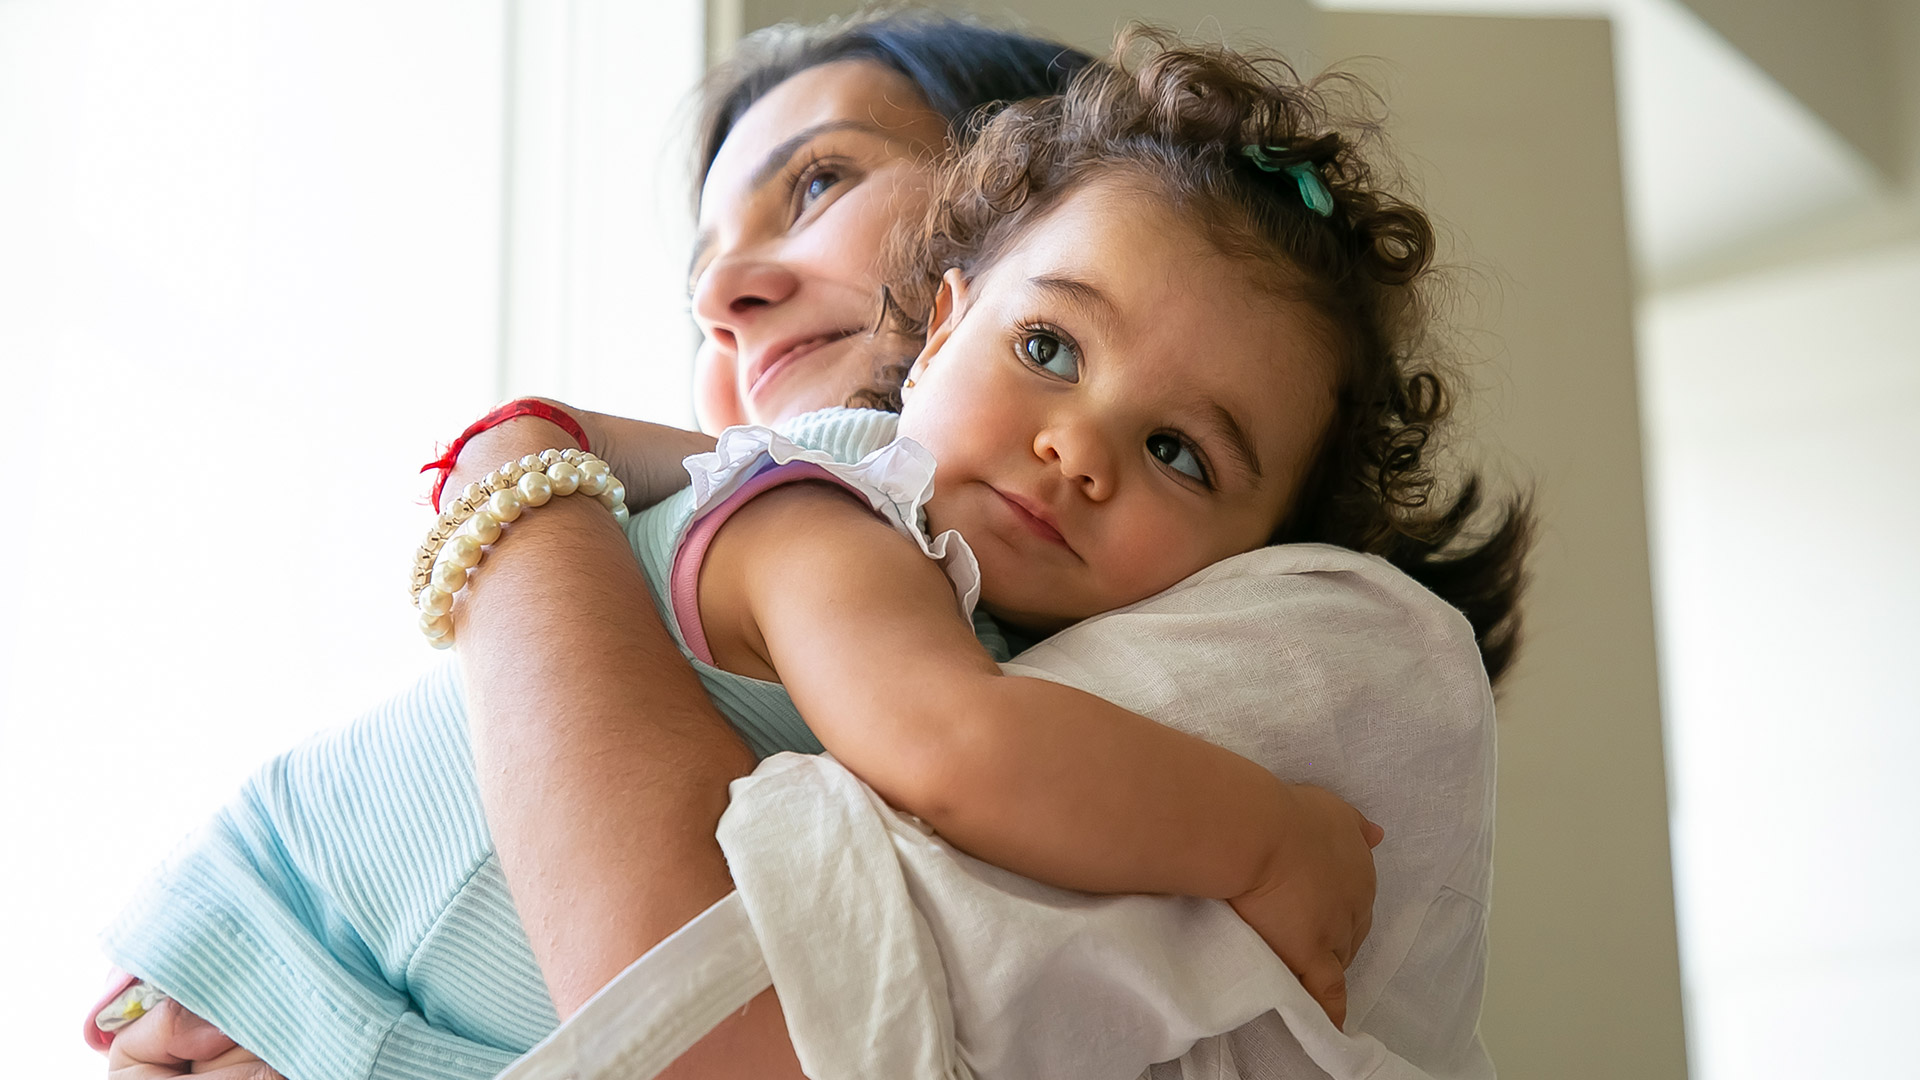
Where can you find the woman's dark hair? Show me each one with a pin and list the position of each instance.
(1238, 144)
(959, 66)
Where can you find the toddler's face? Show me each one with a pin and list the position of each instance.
(1114, 405)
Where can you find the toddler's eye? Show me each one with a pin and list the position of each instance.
(1051, 354)
(1175, 454)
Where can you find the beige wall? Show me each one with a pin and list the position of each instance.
(1510, 125)
(1840, 58)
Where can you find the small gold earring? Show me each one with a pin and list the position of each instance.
(908, 385)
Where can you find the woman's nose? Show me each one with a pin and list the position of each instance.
(1082, 452)
(734, 292)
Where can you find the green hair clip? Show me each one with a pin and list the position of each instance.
(1313, 190)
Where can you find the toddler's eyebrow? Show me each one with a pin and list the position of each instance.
(1235, 437)
(1083, 295)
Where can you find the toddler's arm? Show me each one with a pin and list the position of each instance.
(802, 584)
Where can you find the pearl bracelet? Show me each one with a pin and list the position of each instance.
(474, 519)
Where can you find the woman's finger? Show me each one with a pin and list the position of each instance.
(168, 1036)
(145, 1072)
(251, 1069)
(238, 1063)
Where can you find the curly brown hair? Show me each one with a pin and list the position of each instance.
(1183, 121)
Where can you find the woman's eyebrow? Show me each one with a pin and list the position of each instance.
(778, 157)
(776, 160)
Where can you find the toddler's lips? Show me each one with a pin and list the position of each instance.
(1035, 518)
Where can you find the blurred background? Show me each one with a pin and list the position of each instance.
(255, 259)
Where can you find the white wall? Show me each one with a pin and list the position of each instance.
(1781, 432)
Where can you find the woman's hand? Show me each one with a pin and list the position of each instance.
(170, 1041)
(1314, 905)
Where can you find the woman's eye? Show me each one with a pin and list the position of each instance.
(1175, 454)
(814, 185)
(1050, 354)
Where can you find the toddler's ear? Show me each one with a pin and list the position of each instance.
(949, 306)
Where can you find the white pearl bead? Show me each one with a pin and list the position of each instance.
(615, 495)
(564, 477)
(435, 601)
(435, 626)
(594, 477)
(505, 504)
(535, 489)
(620, 513)
(483, 526)
(532, 463)
(463, 551)
(443, 642)
(448, 577)
(472, 495)
(572, 455)
(550, 456)
(511, 472)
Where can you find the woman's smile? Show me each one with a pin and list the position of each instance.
(765, 366)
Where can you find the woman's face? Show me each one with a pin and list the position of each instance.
(794, 215)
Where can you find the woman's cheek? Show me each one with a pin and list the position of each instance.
(716, 389)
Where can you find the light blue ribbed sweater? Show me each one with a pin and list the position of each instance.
(345, 916)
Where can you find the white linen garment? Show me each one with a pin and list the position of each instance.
(898, 956)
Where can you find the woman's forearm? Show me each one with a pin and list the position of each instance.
(602, 765)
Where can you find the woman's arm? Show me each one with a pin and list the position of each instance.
(600, 758)
(584, 789)
(1039, 778)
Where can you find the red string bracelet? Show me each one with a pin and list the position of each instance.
(515, 408)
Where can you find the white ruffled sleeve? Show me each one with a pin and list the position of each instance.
(896, 480)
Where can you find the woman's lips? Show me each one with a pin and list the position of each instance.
(782, 356)
(1035, 518)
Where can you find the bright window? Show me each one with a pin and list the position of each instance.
(252, 262)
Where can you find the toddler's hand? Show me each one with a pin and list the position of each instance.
(170, 1042)
(1316, 905)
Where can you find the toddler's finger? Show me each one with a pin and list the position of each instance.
(1327, 982)
(1373, 833)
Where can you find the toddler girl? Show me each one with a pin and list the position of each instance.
(1163, 319)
